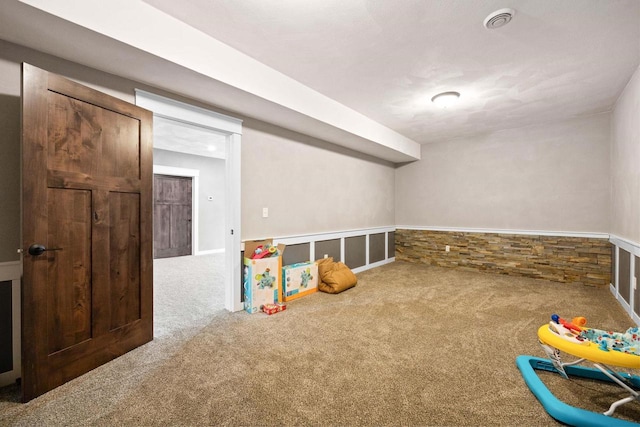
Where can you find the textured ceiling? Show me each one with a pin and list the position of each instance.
(387, 58)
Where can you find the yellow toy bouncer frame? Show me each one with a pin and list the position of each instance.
(553, 341)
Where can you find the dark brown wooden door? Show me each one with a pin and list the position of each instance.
(171, 216)
(86, 193)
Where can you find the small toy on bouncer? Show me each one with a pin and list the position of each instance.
(575, 331)
(576, 323)
(568, 330)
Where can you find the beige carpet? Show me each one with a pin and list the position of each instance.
(187, 290)
(410, 345)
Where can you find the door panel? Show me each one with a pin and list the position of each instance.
(87, 191)
(82, 138)
(69, 290)
(124, 271)
(161, 228)
(172, 216)
(181, 227)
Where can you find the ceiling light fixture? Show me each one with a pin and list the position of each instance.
(499, 18)
(445, 99)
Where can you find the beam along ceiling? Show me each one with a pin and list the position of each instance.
(555, 60)
(358, 73)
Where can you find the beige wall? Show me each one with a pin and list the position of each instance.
(9, 164)
(308, 185)
(552, 177)
(625, 163)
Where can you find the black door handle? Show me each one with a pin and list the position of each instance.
(37, 249)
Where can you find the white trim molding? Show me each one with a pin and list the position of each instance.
(507, 231)
(211, 251)
(12, 271)
(327, 235)
(633, 249)
(311, 239)
(627, 245)
(342, 236)
(231, 128)
(187, 113)
(174, 171)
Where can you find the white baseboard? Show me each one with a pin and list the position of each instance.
(332, 235)
(623, 303)
(374, 265)
(211, 251)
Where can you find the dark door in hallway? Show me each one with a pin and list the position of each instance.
(87, 229)
(172, 198)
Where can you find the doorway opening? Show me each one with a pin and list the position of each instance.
(188, 225)
(196, 213)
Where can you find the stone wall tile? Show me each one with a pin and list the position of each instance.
(561, 259)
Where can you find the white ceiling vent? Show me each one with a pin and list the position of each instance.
(499, 18)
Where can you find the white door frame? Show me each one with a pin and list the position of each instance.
(194, 174)
(232, 129)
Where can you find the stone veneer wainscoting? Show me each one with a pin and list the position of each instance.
(583, 260)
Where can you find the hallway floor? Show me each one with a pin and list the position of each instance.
(187, 291)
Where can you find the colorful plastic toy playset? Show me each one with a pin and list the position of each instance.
(262, 281)
(299, 280)
(266, 283)
(602, 349)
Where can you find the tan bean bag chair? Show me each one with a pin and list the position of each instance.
(334, 277)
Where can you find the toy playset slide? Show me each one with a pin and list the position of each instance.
(602, 349)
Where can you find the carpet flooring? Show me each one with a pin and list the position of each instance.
(187, 290)
(410, 345)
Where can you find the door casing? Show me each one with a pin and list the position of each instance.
(232, 129)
